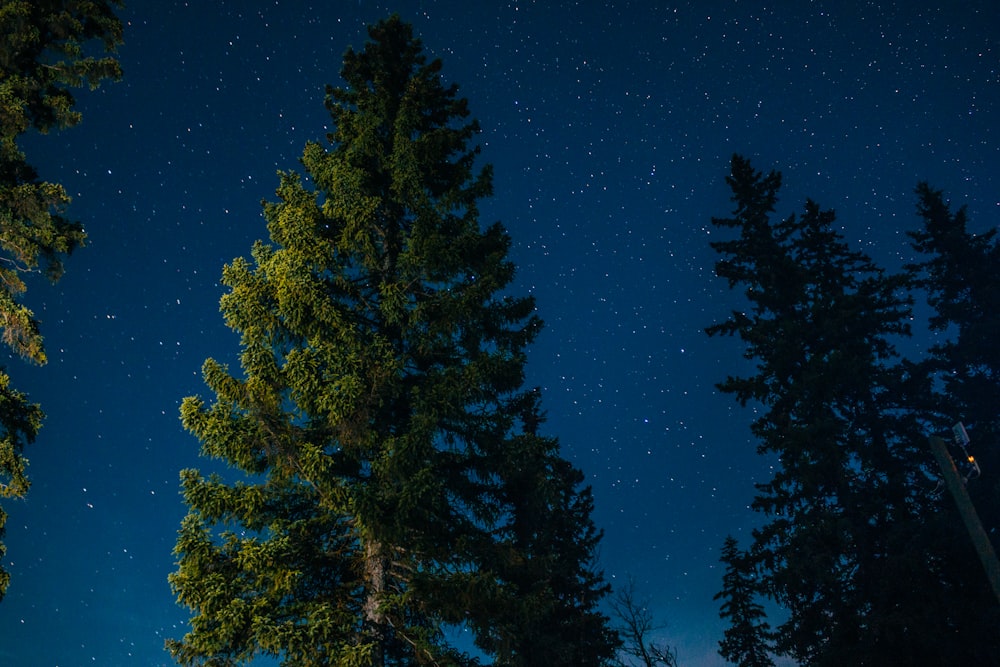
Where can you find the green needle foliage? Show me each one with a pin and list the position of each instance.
(395, 490)
(41, 58)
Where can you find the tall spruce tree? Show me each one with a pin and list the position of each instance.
(958, 272)
(396, 484)
(41, 58)
(747, 641)
(843, 547)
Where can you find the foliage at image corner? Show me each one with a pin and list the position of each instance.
(43, 56)
(869, 563)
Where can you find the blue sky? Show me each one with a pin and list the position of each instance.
(609, 125)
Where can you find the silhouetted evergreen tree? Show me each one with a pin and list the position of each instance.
(397, 484)
(844, 547)
(958, 271)
(747, 640)
(41, 59)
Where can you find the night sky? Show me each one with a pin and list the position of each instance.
(610, 126)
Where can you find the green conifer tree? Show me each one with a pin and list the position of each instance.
(41, 59)
(747, 641)
(395, 487)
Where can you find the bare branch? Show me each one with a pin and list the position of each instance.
(636, 626)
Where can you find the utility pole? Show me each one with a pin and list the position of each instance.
(968, 511)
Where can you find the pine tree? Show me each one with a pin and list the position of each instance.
(393, 483)
(842, 548)
(747, 640)
(41, 59)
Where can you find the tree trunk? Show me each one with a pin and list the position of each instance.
(375, 625)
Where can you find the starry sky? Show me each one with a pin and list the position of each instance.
(610, 126)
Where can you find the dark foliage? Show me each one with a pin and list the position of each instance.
(849, 545)
(748, 640)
